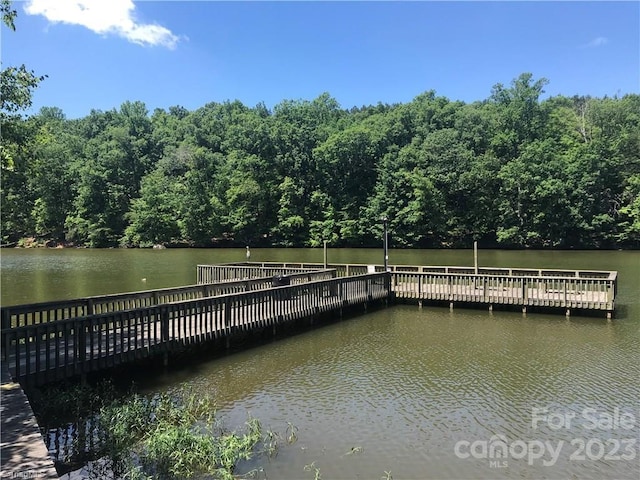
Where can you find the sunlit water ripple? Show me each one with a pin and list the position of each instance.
(396, 389)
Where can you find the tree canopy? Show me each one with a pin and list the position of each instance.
(513, 170)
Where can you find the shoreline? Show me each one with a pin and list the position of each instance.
(33, 242)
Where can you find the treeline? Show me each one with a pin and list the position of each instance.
(511, 171)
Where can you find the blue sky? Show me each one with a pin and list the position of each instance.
(190, 53)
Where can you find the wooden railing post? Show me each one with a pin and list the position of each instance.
(164, 324)
(6, 318)
(367, 288)
(227, 315)
(610, 291)
(6, 335)
(484, 289)
(16, 350)
(81, 336)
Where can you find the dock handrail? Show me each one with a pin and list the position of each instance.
(54, 350)
(44, 312)
(525, 290)
(238, 271)
(360, 268)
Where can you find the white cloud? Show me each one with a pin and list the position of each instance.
(597, 42)
(103, 17)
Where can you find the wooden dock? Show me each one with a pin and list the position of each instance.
(23, 453)
(560, 290)
(36, 313)
(55, 340)
(42, 352)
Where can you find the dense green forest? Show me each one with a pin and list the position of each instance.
(513, 170)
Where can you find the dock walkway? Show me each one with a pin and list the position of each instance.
(23, 453)
(44, 352)
(554, 289)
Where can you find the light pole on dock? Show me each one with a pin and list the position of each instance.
(325, 254)
(385, 243)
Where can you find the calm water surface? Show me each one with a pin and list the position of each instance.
(409, 389)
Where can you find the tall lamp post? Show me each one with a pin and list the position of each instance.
(385, 243)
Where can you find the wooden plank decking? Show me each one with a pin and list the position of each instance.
(23, 453)
(49, 351)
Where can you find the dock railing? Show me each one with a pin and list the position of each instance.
(555, 288)
(49, 351)
(232, 271)
(45, 312)
(362, 268)
(570, 292)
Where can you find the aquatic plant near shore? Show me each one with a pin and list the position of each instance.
(292, 433)
(312, 468)
(117, 435)
(172, 437)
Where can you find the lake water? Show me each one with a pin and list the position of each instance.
(419, 393)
